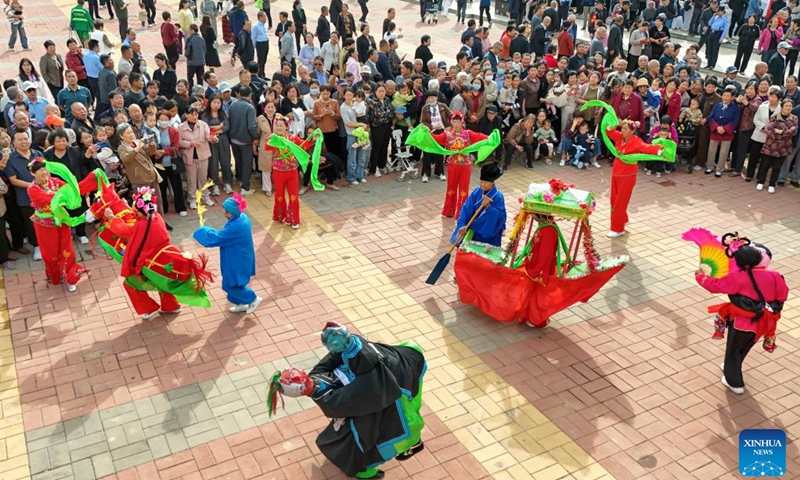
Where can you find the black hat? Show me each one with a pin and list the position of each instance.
(491, 109)
(491, 172)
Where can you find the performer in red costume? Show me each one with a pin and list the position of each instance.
(459, 167)
(541, 263)
(284, 175)
(623, 175)
(147, 237)
(55, 241)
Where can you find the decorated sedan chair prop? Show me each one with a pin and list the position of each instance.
(538, 273)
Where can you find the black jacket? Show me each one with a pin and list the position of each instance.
(77, 164)
(777, 68)
(749, 35)
(615, 41)
(538, 40)
(554, 23)
(363, 45)
(244, 47)
(323, 29)
(519, 44)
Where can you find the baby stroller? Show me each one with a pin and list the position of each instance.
(686, 141)
(431, 12)
(402, 161)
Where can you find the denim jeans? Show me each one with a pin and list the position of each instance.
(356, 160)
(18, 28)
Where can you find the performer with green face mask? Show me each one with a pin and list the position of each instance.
(371, 392)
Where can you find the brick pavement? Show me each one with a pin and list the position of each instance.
(625, 386)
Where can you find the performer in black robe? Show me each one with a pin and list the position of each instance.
(371, 392)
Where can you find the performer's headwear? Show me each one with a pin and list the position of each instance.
(34, 162)
(335, 337)
(457, 115)
(733, 242)
(766, 254)
(631, 123)
(281, 118)
(235, 205)
(490, 172)
(145, 200)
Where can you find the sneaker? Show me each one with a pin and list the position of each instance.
(363, 180)
(253, 306)
(354, 182)
(442, 177)
(192, 205)
(295, 226)
(84, 240)
(244, 193)
(722, 366)
(646, 171)
(269, 194)
(697, 167)
(169, 227)
(378, 173)
(718, 174)
(71, 288)
(770, 189)
(37, 254)
(760, 187)
(172, 312)
(795, 184)
(562, 162)
(227, 188)
(424, 179)
(182, 214)
(595, 164)
(658, 174)
(148, 316)
(209, 203)
(736, 390)
(303, 191)
(8, 265)
(238, 308)
(708, 171)
(613, 234)
(215, 191)
(334, 188)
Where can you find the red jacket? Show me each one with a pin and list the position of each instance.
(566, 45)
(75, 62)
(169, 34)
(633, 145)
(139, 246)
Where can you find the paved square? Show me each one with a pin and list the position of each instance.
(625, 386)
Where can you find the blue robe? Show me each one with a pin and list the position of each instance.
(237, 256)
(489, 225)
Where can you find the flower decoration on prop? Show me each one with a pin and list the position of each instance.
(610, 120)
(292, 382)
(548, 197)
(733, 242)
(145, 200)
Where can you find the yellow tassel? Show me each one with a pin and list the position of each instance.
(518, 225)
(201, 208)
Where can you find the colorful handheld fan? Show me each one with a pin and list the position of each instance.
(712, 251)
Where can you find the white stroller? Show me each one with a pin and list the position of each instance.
(402, 158)
(431, 12)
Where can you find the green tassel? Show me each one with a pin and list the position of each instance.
(169, 268)
(272, 394)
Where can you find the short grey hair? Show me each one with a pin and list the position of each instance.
(122, 127)
(433, 84)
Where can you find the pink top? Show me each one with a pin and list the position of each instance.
(771, 283)
(764, 41)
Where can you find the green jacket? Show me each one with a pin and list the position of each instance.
(119, 11)
(80, 20)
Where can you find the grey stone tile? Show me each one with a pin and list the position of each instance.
(191, 399)
(129, 450)
(243, 420)
(117, 410)
(58, 455)
(86, 452)
(250, 395)
(205, 437)
(182, 392)
(61, 473)
(157, 418)
(159, 447)
(44, 432)
(132, 461)
(227, 424)
(83, 470)
(250, 381)
(176, 441)
(74, 428)
(103, 465)
(144, 407)
(160, 403)
(133, 432)
(87, 440)
(113, 421)
(200, 427)
(228, 408)
(161, 428)
(92, 423)
(115, 437)
(48, 441)
(39, 461)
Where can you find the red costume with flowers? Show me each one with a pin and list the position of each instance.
(623, 175)
(55, 241)
(459, 166)
(286, 180)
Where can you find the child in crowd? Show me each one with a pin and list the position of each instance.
(402, 97)
(693, 113)
(569, 138)
(664, 130)
(584, 148)
(546, 138)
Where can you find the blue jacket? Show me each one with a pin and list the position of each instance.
(237, 258)
(237, 17)
(489, 225)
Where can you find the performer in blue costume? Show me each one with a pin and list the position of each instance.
(237, 255)
(488, 226)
